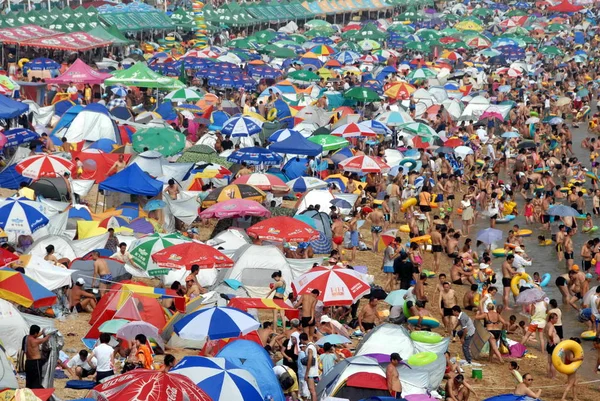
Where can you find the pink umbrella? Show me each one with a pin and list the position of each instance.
(235, 208)
(283, 228)
(493, 112)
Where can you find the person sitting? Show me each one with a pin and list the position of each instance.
(457, 389)
(81, 300)
(80, 366)
(144, 352)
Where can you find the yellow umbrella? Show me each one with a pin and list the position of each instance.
(88, 229)
(468, 26)
(326, 73)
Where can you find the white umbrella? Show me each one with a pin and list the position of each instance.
(463, 151)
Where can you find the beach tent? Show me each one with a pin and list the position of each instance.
(252, 357)
(8, 378)
(322, 221)
(132, 180)
(155, 164)
(229, 241)
(142, 76)
(93, 122)
(354, 379)
(385, 339)
(97, 163)
(47, 274)
(298, 145)
(80, 73)
(254, 265)
(9, 178)
(65, 247)
(85, 269)
(13, 328)
(10, 108)
(565, 7)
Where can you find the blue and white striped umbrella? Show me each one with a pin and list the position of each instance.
(241, 126)
(215, 323)
(220, 379)
(119, 91)
(255, 156)
(283, 134)
(303, 184)
(376, 126)
(346, 57)
(21, 216)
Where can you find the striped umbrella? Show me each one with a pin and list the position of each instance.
(283, 134)
(303, 184)
(22, 290)
(215, 323)
(142, 249)
(337, 286)
(233, 191)
(241, 126)
(364, 164)
(183, 95)
(21, 216)
(38, 166)
(263, 181)
(353, 130)
(399, 90)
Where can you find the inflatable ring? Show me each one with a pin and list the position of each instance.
(405, 310)
(408, 203)
(590, 230)
(546, 242)
(588, 335)
(499, 252)
(545, 279)
(22, 62)
(421, 239)
(272, 114)
(411, 162)
(541, 169)
(429, 273)
(426, 321)
(404, 228)
(524, 232)
(559, 351)
(433, 205)
(428, 337)
(581, 217)
(509, 246)
(591, 175)
(514, 282)
(506, 219)
(422, 358)
(479, 162)
(565, 190)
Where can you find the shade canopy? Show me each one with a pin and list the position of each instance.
(132, 180)
(298, 145)
(80, 73)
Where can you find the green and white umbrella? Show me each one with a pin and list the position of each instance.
(166, 141)
(303, 76)
(551, 51)
(143, 248)
(362, 94)
(369, 44)
(317, 23)
(418, 46)
(421, 73)
(419, 129)
(329, 142)
(184, 95)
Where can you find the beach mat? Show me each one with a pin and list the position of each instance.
(80, 384)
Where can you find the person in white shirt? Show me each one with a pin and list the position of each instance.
(520, 261)
(80, 366)
(122, 255)
(104, 355)
(312, 366)
(72, 88)
(594, 306)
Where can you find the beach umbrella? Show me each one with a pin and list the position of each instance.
(183, 95)
(233, 191)
(421, 47)
(353, 130)
(255, 156)
(220, 379)
(21, 216)
(369, 45)
(283, 228)
(341, 203)
(336, 285)
(453, 142)
(112, 326)
(364, 164)
(282, 134)
(562, 211)
(131, 329)
(241, 126)
(394, 118)
(304, 184)
(6, 257)
(399, 90)
(376, 126)
(511, 134)
(527, 145)
(420, 129)
(396, 298)
(347, 57)
(38, 166)
(142, 249)
(263, 181)
(23, 290)
(489, 235)
(119, 91)
(530, 296)
(361, 94)
(333, 339)
(233, 208)
(215, 323)
(164, 140)
(468, 25)
(17, 136)
(148, 385)
(303, 77)
(421, 73)
(187, 254)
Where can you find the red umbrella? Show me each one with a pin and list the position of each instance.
(183, 256)
(38, 166)
(453, 143)
(419, 143)
(283, 229)
(6, 257)
(149, 385)
(336, 285)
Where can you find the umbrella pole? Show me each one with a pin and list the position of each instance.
(97, 196)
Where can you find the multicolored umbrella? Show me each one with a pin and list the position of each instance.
(235, 208)
(215, 323)
(399, 90)
(283, 228)
(20, 289)
(142, 250)
(187, 254)
(166, 141)
(263, 181)
(233, 191)
(353, 130)
(336, 285)
(364, 164)
(38, 166)
(21, 216)
(303, 184)
(112, 326)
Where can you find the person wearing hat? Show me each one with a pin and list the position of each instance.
(521, 259)
(81, 300)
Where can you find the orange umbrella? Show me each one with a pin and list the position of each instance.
(399, 90)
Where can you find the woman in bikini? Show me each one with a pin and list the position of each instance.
(493, 323)
(278, 290)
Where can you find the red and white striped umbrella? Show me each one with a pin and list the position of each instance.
(336, 285)
(266, 182)
(353, 130)
(364, 164)
(38, 166)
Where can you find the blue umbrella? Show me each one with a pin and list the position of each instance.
(154, 204)
(341, 203)
(220, 379)
(489, 235)
(346, 57)
(376, 126)
(562, 211)
(282, 134)
(119, 91)
(17, 136)
(255, 156)
(215, 323)
(510, 134)
(21, 216)
(396, 298)
(241, 126)
(333, 339)
(80, 212)
(40, 64)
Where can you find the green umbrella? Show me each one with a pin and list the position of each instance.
(515, 13)
(370, 31)
(475, 20)
(450, 17)
(418, 46)
(556, 28)
(448, 31)
(112, 326)
(166, 141)
(490, 53)
(265, 36)
(428, 34)
(275, 51)
(421, 73)
(143, 248)
(400, 28)
(361, 94)
(303, 76)
(420, 129)
(482, 12)
(299, 39)
(411, 16)
(517, 30)
(317, 23)
(313, 33)
(287, 42)
(551, 51)
(240, 43)
(349, 46)
(184, 95)
(456, 45)
(329, 142)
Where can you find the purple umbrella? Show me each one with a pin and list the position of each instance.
(142, 226)
(132, 329)
(530, 296)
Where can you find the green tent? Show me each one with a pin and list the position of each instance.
(182, 19)
(142, 76)
(103, 33)
(121, 21)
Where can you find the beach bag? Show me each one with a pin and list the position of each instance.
(286, 381)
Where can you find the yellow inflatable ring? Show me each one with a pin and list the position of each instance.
(524, 232)
(404, 228)
(272, 114)
(22, 62)
(421, 239)
(514, 282)
(546, 242)
(559, 351)
(408, 203)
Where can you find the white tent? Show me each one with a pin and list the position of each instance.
(91, 124)
(157, 166)
(12, 328)
(64, 248)
(229, 241)
(323, 197)
(47, 274)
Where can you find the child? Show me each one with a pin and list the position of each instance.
(513, 368)
(278, 290)
(588, 224)
(596, 202)
(329, 358)
(512, 324)
(536, 278)
(79, 165)
(571, 378)
(529, 211)
(521, 330)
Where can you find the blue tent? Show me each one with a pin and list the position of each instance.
(67, 118)
(132, 180)
(295, 167)
(252, 357)
(298, 145)
(9, 178)
(61, 107)
(10, 108)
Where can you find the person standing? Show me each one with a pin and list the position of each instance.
(34, 362)
(104, 355)
(553, 340)
(392, 377)
(102, 271)
(311, 376)
(466, 333)
(368, 316)
(309, 304)
(447, 301)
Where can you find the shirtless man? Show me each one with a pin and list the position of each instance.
(337, 229)
(586, 255)
(560, 239)
(446, 301)
(351, 186)
(469, 298)
(436, 246)
(245, 170)
(576, 290)
(552, 339)
(102, 271)
(392, 377)
(34, 362)
(118, 166)
(393, 190)
(419, 290)
(172, 189)
(458, 275)
(568, 248)
(452, 245)
(308, 303)
(376, 218)
(457, 389)
(80, 299)
(507, 274)
(368, 317)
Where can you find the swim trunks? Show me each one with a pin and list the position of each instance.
(436, 248)
(376, 229)
(338, 240)
(560, 281)
(306, 322)
(506, 282)
(568, 255)
(107, 278)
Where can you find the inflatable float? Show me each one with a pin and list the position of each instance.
(422, 358)
(426, 321)
(558, 356)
